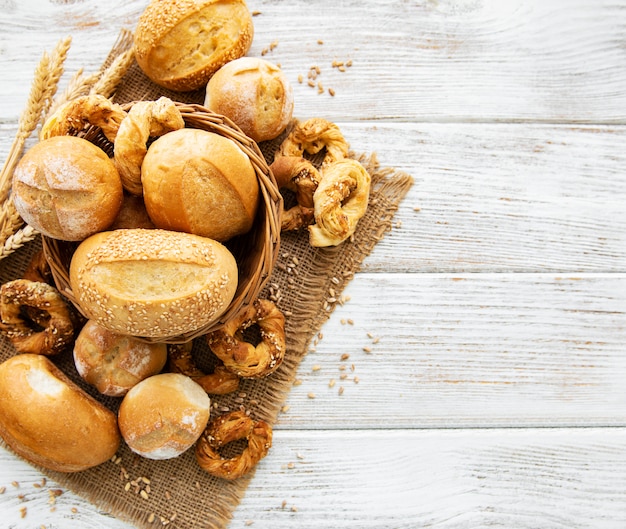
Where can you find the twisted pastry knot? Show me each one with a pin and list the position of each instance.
(77, 114)
(244, 358)
(144, 120)
(220, 382)
(225, 429)
(340, 201)
(35, 317)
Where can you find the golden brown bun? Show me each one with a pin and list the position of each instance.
(152, 283)
(179, 44)
(255, 94)
(113, 362)
(48, 420)
(164, 415)
(200, 182)
(67, 188)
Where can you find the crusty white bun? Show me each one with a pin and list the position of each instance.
(67, 188)
(152, 283)
(255, 94)
(164, 415)
(179, 44)
(114, 362)
(51, 422)
(200, 182)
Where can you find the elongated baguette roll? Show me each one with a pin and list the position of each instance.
(152, 283)
(48, 420)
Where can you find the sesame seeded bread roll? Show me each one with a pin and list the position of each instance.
(152, 283)
(179, 44)
(200, 182)
(48, 420)
(67, 188)
(113, 362)
(164, 415)
(255, 94)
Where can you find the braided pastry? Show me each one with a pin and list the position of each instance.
(38, 269)
(244, 358)
(221, 382)
(340, 201)
(34, 317)
(225, 429)
(313, 135)
(77, 114)
(144, 120)
(301, 177)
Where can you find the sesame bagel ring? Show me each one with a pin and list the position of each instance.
(225, 429)
(340, 201)
(75, 115)
(35, 317)
(144, 120)
(221, 382)
(244, 358)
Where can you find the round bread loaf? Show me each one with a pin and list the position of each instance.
(164, 415)
(179, 44)
(67, 188)
(48, 420)
(114, 362)
(152, 283)
(255, 94)
(200, 182)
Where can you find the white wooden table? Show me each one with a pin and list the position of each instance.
(494, 391)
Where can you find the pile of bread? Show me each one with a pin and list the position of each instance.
(151, 226)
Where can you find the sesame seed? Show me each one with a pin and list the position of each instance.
(311, 395)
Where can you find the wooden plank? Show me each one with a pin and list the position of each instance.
(468, 350)
(411, 61)
(499, 197)
(453, 479)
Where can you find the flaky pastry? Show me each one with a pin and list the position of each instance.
(225, 429)
(340, 201)
(75, 115)
(244, 358)
(144, 120)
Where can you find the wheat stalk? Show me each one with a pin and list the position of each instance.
(17, 240)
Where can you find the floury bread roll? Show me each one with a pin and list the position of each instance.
(113, 362)
(255, 94)
(164, 415)
(48, 420)
(179, 44)
(67, 188)
(152, 283)
(200, 182)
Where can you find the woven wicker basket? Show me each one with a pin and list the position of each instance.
(255, 252)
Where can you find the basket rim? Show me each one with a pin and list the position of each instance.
(58, 253)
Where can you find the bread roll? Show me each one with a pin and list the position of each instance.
(164, 415)
(179, 44)
(48, 420)
(113, 362)
(133, 214)
(255, 94)
(200, 182)
(67, 188)
(152, 283)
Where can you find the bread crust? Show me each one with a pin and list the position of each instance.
(48, 420)
(152, 283)
(179, 44)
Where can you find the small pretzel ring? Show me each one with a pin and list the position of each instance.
(243, 358)
(75, 115)
(225, 429)
(220, 382)
(34, 317)
(144, 120)
(340, 201)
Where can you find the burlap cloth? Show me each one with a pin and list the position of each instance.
(307, 283)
